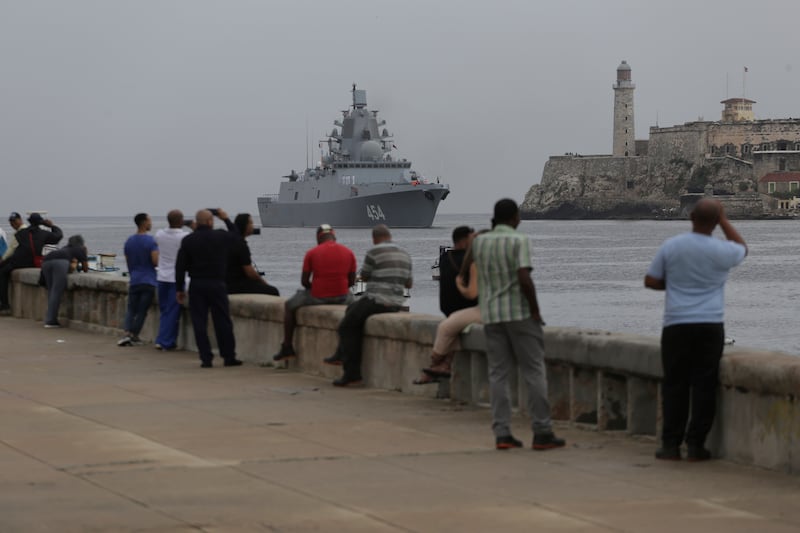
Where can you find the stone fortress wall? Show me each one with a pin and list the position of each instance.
(673, 162)
(597, 379)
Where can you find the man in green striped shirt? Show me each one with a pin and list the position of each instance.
(512, 326)
(387, 271)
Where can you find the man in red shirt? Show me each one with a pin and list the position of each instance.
(329, 270)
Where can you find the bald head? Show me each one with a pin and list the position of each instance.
(705, 215)
(204, 218)
(381, 233)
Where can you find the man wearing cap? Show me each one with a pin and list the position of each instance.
(15, 220)
(30, 242)
(329, 270)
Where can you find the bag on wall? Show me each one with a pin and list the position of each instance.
(37, 259)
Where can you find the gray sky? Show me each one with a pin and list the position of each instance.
(111, 107)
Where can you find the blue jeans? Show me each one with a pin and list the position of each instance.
(140, 297)
(170, 315)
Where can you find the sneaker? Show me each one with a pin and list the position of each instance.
(547, 441)
(136, 341)
(284, 353)
(334, 360)
(232, 362)
(507, 442)
(5, 311)
(697, 453)
(345, 381)
(52, 325)
(668, 453)
(157, 346)
(206, 364)
(125, 341)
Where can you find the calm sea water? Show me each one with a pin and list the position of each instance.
(588, 274)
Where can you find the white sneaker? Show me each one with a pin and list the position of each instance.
(54, 325)
(125, 341)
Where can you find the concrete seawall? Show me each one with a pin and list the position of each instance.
(601, 380)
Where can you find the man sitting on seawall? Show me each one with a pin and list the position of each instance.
(329, 270)
(242, 277)
(460, 311)
(387, 271)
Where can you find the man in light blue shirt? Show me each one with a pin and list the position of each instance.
(692, 268)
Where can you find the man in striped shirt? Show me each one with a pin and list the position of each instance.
(387, 271)
(513, 327)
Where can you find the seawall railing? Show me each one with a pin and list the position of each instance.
(601, 380)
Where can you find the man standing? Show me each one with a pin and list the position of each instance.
(204, 256)
(242, 277)
(329, 270)
(387, 271)
(15, 220)
(513, 327)
(692, 268)
(169, 241)
(30, 242)
(141, 255)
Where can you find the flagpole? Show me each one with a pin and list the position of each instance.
(744, 80)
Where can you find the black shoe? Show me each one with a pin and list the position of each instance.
(285, 353)
(334, 360)
(669, 453)
(206, 364)
(52, 325)
(345, 381)
(507, 442)
(697, 453)
(547, 441)
(5, 311)
(233, 362)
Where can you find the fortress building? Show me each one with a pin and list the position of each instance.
(663, 175)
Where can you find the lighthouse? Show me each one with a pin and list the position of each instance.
(624, 144)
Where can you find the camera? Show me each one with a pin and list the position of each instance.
(188, 223)
(214, 211)
(256, 231)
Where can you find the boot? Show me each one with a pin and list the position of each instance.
(441, 368)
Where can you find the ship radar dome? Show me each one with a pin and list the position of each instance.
(371, 151)
(624, 66)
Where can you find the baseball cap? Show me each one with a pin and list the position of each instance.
(35, 219)
(14, 216)
(324, 228)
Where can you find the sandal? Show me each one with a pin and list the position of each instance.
(426, 380)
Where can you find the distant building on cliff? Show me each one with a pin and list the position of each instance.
(665, 174)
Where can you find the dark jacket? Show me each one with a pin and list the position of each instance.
(450, 298)
(23, 255)
(204, 255)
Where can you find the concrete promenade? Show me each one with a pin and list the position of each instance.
(99, 438)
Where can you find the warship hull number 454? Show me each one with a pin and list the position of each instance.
(357, 183)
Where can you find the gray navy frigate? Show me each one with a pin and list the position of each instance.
(357, 183)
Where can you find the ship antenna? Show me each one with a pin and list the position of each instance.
(307, 141)
(354, 96)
